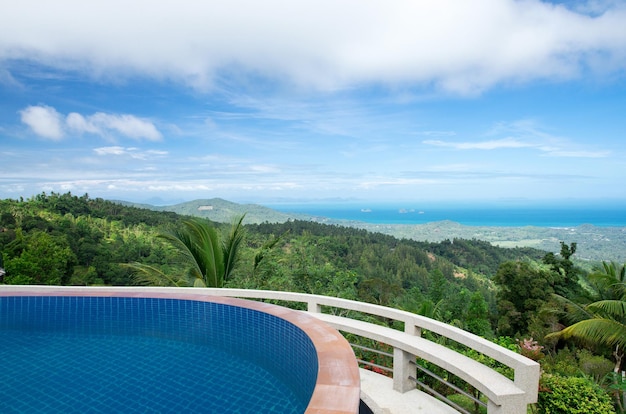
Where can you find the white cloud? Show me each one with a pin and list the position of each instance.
(530, 136)
(264, 169)
(131, 152)
(437, 133)
(8, 80)
(127, 125)
(459, 46)
(578, 154)
(78, 123)
(157, 152)
(45, 121)
(101, 124)
(111, 150)
(480, 145)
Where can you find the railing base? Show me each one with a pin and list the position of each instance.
(377, 392)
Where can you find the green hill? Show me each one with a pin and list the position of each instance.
(594, 243)
(223, 211)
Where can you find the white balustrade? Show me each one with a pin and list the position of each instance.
(504, 396)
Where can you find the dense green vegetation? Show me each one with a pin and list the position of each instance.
(507, 295)
(595, 243)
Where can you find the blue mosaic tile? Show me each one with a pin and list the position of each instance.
(138, 355)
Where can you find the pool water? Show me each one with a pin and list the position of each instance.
(53, 364)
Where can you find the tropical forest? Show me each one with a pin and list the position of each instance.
(544, 305)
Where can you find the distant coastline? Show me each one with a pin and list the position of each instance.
(469, 216)
(600, 233)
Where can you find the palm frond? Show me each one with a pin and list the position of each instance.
(574, 312)
(207, 252)
(181, 241)
(209, 258)
(615, 309)
(200, 249)
(231, 245)
(610, 282)
(267, 246)
(199, 283)
(145, 274)
(596, 330)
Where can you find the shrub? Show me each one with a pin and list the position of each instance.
(594, 365)
(577, 363)
(571, 395)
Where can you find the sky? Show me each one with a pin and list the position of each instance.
(449, 101)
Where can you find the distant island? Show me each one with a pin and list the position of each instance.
(595, 243)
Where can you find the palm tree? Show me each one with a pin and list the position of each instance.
(610, 281)
(606, 324)
(602, 322)
(209, 256)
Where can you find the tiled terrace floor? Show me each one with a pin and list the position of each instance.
(377, 392)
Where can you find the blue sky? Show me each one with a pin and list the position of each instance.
(446, 101)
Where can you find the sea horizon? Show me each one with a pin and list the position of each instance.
(469, 215)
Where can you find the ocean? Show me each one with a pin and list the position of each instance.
(604, 216)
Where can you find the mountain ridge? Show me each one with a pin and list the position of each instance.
(224, 211)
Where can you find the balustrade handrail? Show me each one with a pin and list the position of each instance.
(505, 396)
(526, 371)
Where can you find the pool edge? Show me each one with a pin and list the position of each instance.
(337, 390)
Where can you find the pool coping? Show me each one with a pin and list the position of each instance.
(337, 390)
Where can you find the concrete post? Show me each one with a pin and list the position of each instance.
(403, 368)
(411, 329)
(314, 306)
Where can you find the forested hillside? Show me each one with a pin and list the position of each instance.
(595, 243)
(65, 239)
(507, 295)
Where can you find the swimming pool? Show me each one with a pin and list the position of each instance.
(91, 351)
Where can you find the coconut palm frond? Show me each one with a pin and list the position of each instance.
(614, 272)
(610, 281)
(181, 241)
(614, 309)
(596, 330)
(574, 312)
(207, 252)
(150, 275)
(231, 245)
(199, 246)
(605, 321)
(267, 246)
(209, 257)
(199, 283)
